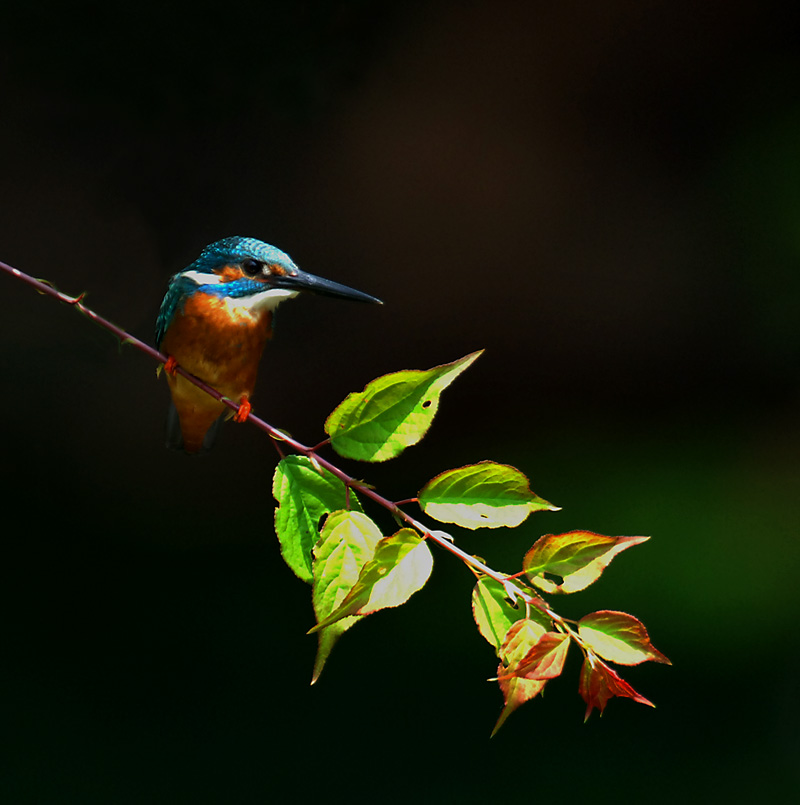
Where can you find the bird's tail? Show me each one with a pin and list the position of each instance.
(195, 446)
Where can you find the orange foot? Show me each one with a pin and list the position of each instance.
(170, 366)
(243, 410)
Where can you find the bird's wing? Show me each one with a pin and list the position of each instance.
(180, 287)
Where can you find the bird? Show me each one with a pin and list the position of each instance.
(215, 321)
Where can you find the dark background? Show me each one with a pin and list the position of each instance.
(604, 196)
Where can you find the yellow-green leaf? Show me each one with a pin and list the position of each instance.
(346, 544)
(483, 495)
(400, 566)
(392, 413)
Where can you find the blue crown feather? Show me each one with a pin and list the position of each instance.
(234, 250)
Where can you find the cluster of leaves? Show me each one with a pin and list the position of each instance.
(329, 542)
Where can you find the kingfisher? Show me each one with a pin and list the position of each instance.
(215, 321)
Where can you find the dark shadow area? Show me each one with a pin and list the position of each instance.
(605, 197)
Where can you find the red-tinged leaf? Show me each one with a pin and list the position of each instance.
(583, 578)
(545, 660)
(599, 683)
(515, 692)
(563, 554)
(619, 637)
(577, 557)
(523, 635)
(519, 640)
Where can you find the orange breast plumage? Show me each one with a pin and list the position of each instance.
(220, 340)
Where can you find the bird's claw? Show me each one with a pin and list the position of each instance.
(243, 411)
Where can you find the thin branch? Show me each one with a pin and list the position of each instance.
(442, 539)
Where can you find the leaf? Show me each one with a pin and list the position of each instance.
(619, 637)
(483, 495)
(346, 544)
(577, 557)
(599, 683)
(399, 567)
(306, 494)
(494, 613)
(516, 692)
(545, 660)
(563, 554)
(521, 637)
(392, 412)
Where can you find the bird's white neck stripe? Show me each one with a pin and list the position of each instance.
(263, 300)
(203, 279)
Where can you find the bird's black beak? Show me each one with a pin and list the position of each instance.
(302, 281)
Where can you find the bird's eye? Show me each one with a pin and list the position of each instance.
(251, 268)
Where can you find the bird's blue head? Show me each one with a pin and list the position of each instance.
(249, 270)
(237, 250)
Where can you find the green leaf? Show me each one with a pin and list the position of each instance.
(577, 557)
(483, 495)
(599, 683)
(519, 640)
(545, 660)
(619, 637)
(494, 613)
(346, 544)
(392, 413)
(306, 494)
(400, 566)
